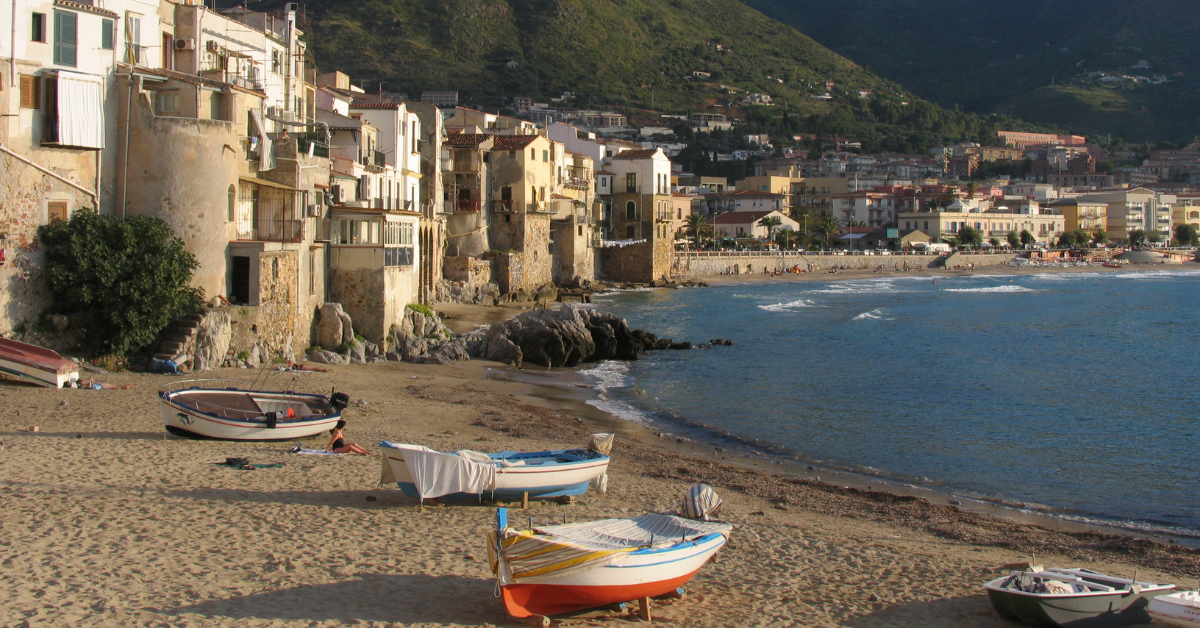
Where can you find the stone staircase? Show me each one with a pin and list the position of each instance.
(179, 337)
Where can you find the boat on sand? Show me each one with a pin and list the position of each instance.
(229, 410)
(1177, 610)
(423, 473)
(558, 569)
(1073, 598)
(36, 364)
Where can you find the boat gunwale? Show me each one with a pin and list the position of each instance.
(990, 586)
(169, 397)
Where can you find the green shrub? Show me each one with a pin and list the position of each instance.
(360, 337)
(422, 309)
(347, 346)
(314, 349)
(121, 281)
(243, 355)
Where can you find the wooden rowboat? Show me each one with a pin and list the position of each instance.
(1073, 598)
(1178, 610)
(36, 364)
(226, 410)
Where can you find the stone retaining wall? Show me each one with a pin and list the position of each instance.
(691, 265)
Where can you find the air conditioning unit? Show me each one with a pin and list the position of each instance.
(314, 211)
(185, 44)
(337, 194)
(211, 46)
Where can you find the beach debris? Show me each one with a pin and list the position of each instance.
(372, 498)
(79, 435)
(700, 502)
(33, 428)
(874, 597)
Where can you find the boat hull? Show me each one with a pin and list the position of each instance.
(188, 422)
(1121, 608)
(35, 364)
(552, 481)
(1177, 614)
(645, 573)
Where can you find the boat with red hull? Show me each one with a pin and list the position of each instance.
(559, 569)
(36, 364)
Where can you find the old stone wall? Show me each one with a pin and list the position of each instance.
(630, 263)
(360, 291)
(574, 260)
(277, 279)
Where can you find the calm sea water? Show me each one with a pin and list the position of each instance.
(1074, 393)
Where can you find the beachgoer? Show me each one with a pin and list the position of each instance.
(304, 367)
(338, 444)
(95, 385)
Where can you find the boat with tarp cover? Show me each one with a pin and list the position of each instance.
(233, 410)
(558, 569)
(1073, 598)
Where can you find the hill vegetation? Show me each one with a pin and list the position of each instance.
(1055, 62)
(636, 54)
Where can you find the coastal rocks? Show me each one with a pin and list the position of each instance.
(468, 293)
(334, 327)
(212, 341)
(566, 337)
(717, 342)
(420, 337)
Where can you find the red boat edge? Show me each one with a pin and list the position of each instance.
(528, 600)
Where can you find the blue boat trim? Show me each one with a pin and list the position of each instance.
(410, 490)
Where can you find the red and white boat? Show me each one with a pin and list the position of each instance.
(229, 410)
(36, 364)
(563, 568)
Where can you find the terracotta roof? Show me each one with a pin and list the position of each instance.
(373, 104)
(513, 142)
(645, 153)
(78, 6)
(606, 172)
(466, 140)
(560, 197)
(739, 218)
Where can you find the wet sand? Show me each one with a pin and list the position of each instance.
(105, 521)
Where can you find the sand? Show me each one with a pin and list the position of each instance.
(105, 521)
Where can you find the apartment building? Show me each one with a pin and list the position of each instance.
(1079, 214)
(1135, 209)
(945, 223)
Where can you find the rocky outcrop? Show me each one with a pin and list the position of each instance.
(566, 337)
(335, 326)
(462, 292)
(212, 340)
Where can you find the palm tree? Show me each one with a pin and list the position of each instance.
(696, 226)
(829, 227)
(770, 222)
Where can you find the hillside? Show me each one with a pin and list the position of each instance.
(1042, 60)
(629, 53)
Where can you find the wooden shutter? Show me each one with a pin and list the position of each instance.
(106, 34)
(57, 210)
(65, 38)
(30, 92)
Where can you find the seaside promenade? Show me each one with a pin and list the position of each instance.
(107, 522)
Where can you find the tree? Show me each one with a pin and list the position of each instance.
(828, 228)
(770, 222)
(1101, 237)
(1067, 240)
(995, 242)
(1137, 238)
(969, 236)
(696, 226)
(1153, 236)
(1027, 238)
(1014, 240)
(121, 282)
(1187, 235)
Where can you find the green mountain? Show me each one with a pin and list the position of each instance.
(1055, 62)
(637, 54)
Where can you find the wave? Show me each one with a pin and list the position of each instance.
(607, 375)
(787, 307)
(873, 315)
(992, 289)
(620, 409)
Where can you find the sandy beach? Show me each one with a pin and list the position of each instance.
(105, 521)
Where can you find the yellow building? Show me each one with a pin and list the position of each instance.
(1187, 210)
(773, 183)
(1090, 216)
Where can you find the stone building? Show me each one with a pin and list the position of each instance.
(638, 211)
(374, 257)
(520, 190)
(574, 222)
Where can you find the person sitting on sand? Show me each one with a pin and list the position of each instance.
(338, 445)
(95, 385)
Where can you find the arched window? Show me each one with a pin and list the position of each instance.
(232, 203)
(630, 211)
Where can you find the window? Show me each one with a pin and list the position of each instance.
(65, 43)
(532, 153)
(133, 38)
(232, 202)
(56, 210)
(31, 92)
(38, 31)
(631, 183)
(630, 211)
(106, 34)
(545, 156)
(167, 101)
(276, 61)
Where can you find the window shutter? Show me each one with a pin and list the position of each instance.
(106, 34)
(64, 38)
(29, 92)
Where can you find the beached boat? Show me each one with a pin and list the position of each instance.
(564, 568)
(1112, 265)
(1073, 598)
(226, 410)
(36, 364)
(1178, 610)
(423, 473)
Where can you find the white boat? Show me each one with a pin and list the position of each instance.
(1073, 598)
(224, 410)
(423, 473)
(36, 364)
(563, 568)
(1178, 610)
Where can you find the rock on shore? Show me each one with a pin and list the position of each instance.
(564, 337)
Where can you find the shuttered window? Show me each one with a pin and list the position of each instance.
(65, 41)
(38, 29)
(31, 93)
(106, 34)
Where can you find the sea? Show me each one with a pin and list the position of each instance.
(1071, 395)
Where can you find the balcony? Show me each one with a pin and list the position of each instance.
(576, 183)
(264, 230)
(503, 207)
(246, 81)
(539, 207)
(471, 164)
(463, 205)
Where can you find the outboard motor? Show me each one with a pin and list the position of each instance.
(339, 401)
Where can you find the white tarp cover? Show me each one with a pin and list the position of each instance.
(266, 152)
(80, 110)
(636, 532)
(436, 474)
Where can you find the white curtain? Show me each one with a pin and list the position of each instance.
(266, 152)
(80, 110)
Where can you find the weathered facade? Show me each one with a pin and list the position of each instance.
(373, 265)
